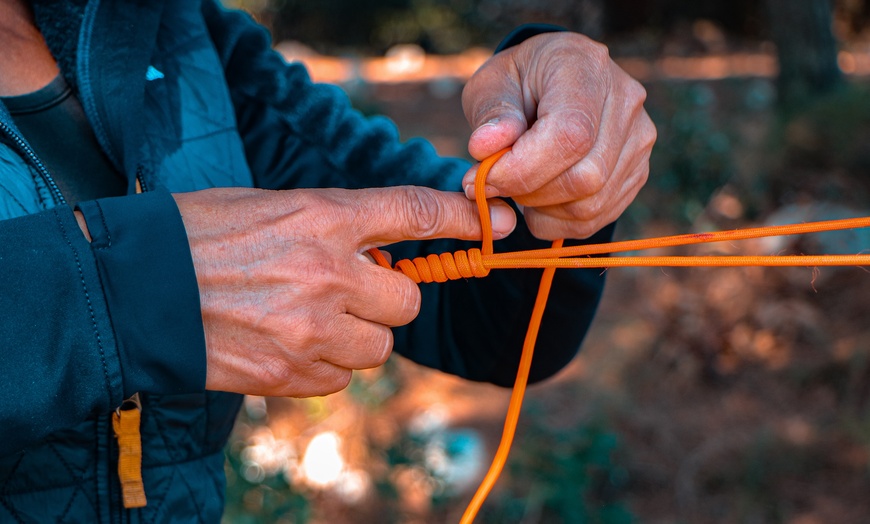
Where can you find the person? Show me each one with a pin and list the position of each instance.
(240, 267)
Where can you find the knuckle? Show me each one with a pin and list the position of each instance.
(581, 228)
(587, 178)
(641, 175)
(599, 52)
(592, 57)
(421, 210)
(576, 211)
(636, 93)
(594, 182)
(307, 331)
(595, 207)
(575, 43)
(381, 347)
(275, 374)
(584, 229)
(519, 186)
(595, 177)
(541, 226)
(650, 133)
(403, 298)
(409, 300)
(310, 201)
(320, 210)
(338, 380)
(319, 271)
(576, 133)
(323, 379)
(583, 211)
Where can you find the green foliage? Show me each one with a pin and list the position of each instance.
(692, 157)
(564, 475)
(825, 130)
(757, 476)
(822, 148)
(254, 497)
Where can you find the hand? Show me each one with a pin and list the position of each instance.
(290, 304)
(581, 138)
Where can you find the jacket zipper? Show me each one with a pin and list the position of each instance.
(28, 152)
(141, 187)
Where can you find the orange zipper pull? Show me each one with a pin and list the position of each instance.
(125, 422)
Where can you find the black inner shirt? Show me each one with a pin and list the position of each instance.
(53, 122)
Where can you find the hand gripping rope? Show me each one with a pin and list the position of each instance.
(478, 263)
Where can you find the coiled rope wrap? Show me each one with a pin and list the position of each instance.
(439, 268)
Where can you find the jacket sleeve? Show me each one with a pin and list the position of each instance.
(300, 134)
(86, 325)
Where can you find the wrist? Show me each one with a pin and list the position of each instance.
(80, 218)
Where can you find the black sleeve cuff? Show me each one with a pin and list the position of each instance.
(147, 273)
(526, 31)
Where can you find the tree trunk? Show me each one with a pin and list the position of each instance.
(806, 49)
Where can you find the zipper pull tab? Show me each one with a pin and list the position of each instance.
(125, 422)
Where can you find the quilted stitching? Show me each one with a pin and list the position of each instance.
(59, 469)
(64, 473)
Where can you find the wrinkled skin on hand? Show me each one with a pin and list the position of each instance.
(290, 303)
(581, 138)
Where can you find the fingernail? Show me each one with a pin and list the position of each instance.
(502, 218)
(490, 122)
(485, 125)
(488, 191)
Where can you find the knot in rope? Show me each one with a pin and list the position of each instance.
(461, 264)
(444, 267)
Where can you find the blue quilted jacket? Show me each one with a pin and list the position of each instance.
(182, 96)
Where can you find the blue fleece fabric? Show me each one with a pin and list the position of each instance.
(85, 325)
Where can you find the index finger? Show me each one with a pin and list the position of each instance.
(388, 215)
(552, 146)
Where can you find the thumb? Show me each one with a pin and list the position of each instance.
(493, 104)
(389, 215)
(500, 131)
(500, 127)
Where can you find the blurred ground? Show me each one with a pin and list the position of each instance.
(700, 396)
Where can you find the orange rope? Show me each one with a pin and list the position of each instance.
(478, 262)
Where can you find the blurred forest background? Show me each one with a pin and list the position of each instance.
(701, 395)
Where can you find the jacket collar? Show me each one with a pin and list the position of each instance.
(106, 64)
(60, 23)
